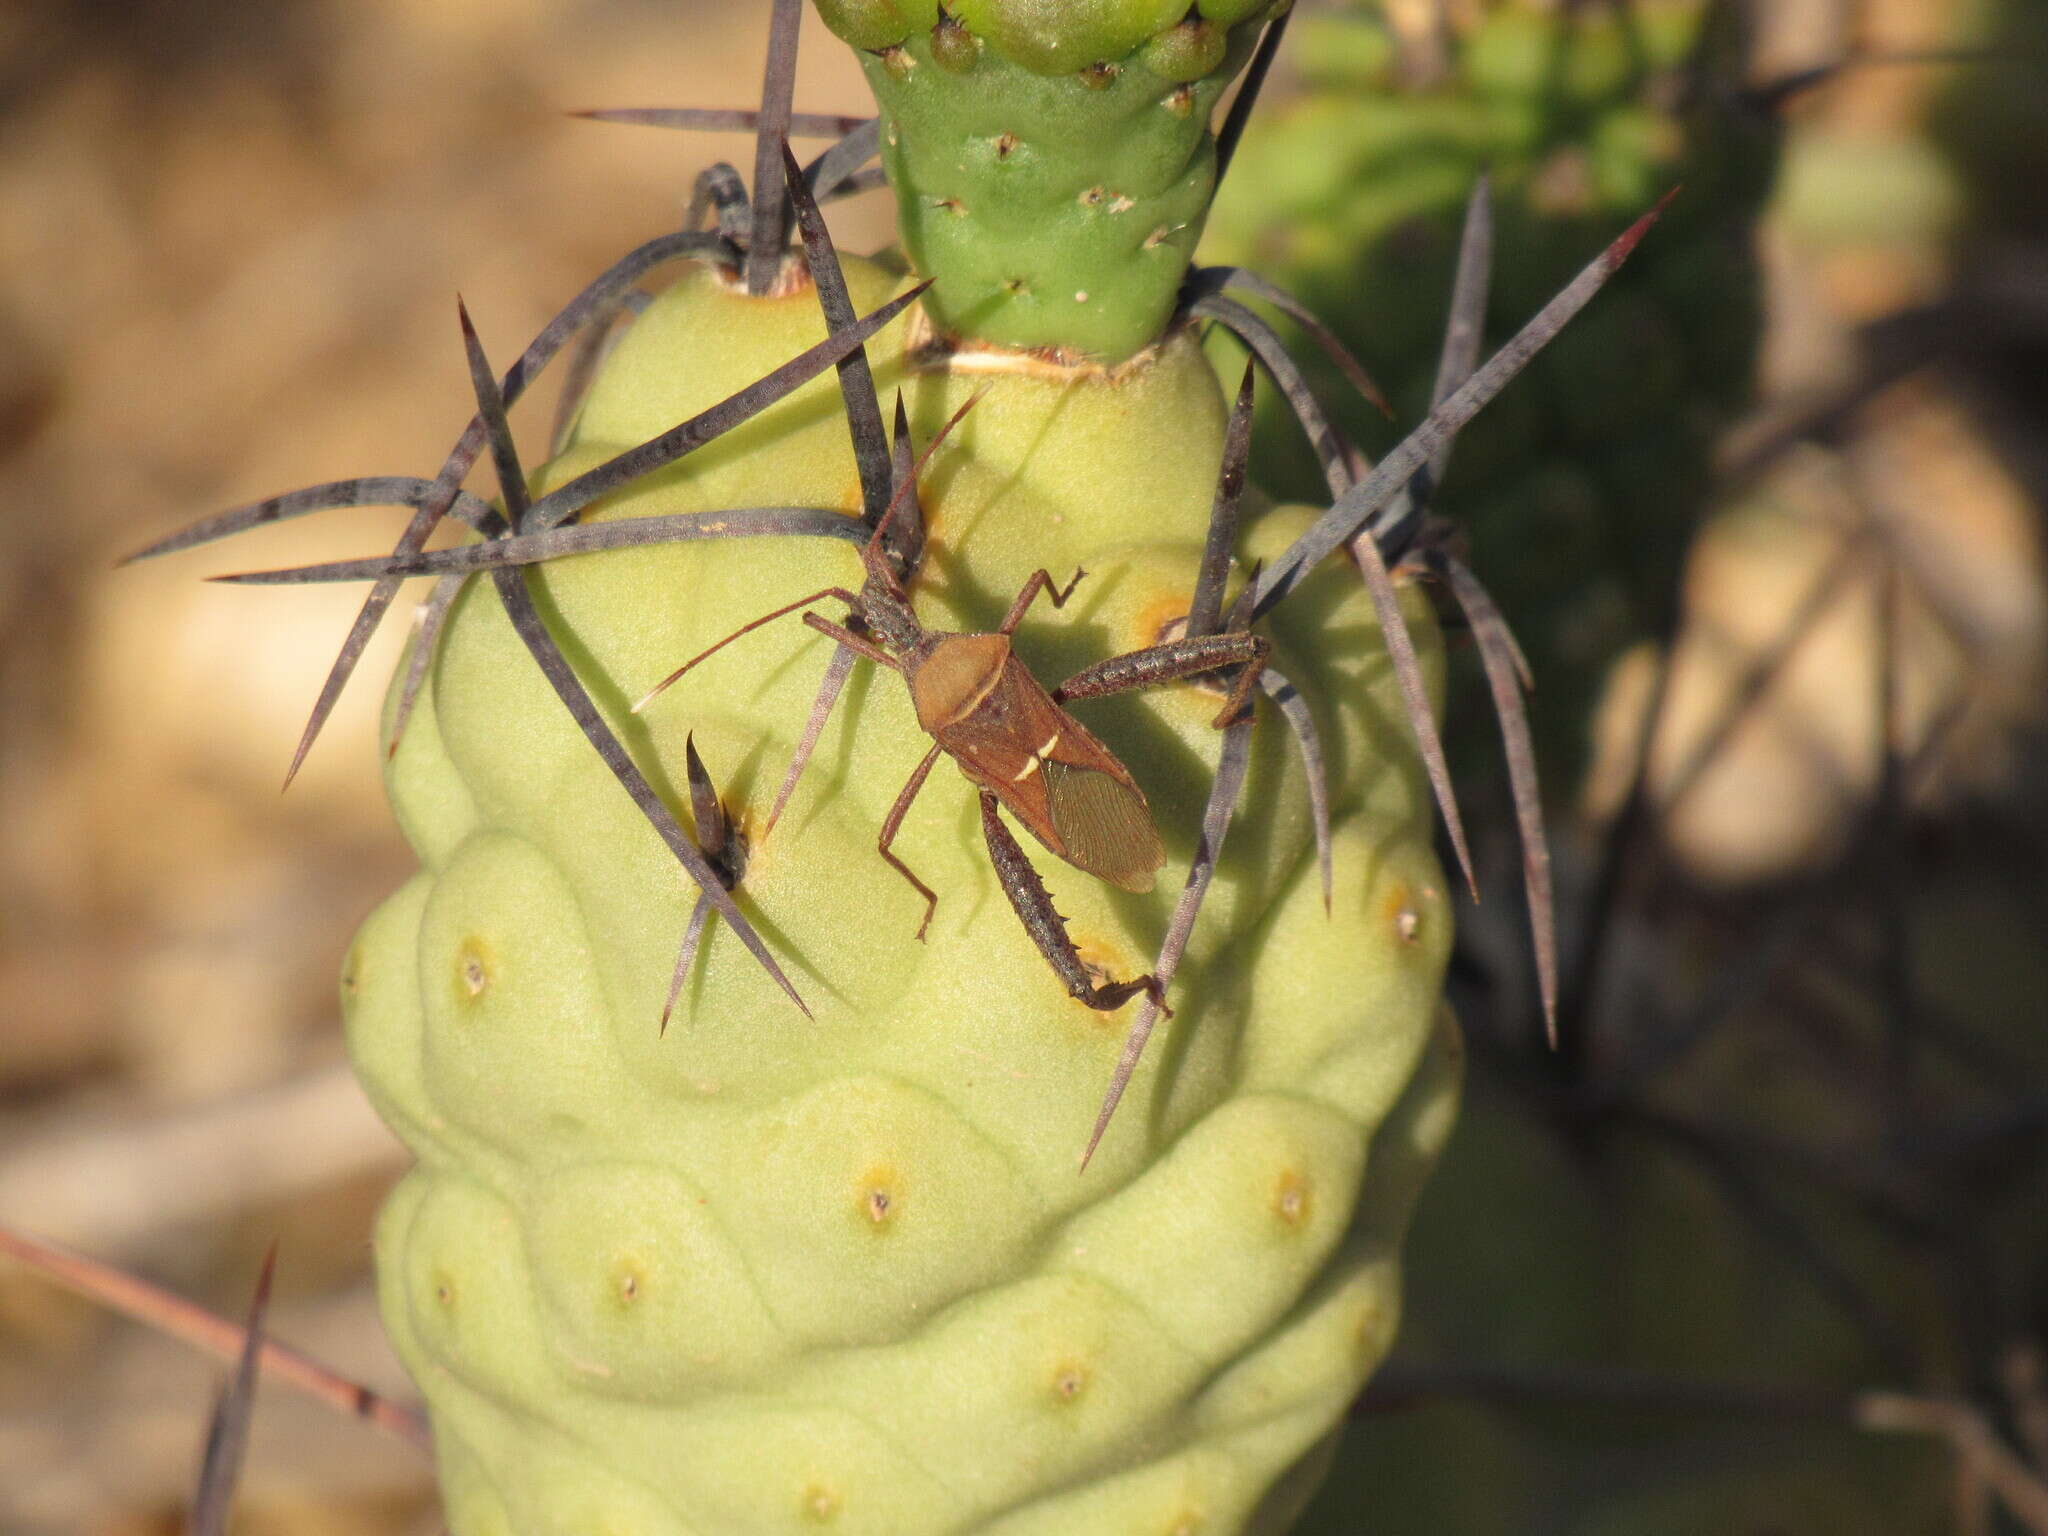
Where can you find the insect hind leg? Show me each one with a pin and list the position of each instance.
(1033, 906)
(1172, 660)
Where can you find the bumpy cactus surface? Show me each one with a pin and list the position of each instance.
(761, 1274)
(1579, 488)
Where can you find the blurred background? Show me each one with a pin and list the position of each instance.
(1764, 1249)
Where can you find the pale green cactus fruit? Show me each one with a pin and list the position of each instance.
(759, 1274)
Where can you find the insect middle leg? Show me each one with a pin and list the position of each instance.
(894, 824)
(1171, 660)
(1039, 581)
(1033, 906)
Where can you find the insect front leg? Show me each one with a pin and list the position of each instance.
(1172, 660)
(855, 643)
(1039, 581)
(1034, 908)
(894, 824)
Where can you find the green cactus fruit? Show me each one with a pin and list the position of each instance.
(759, 1274)
(1578, 487)
(1053, 163)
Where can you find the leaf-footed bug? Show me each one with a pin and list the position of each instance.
(1013, 740)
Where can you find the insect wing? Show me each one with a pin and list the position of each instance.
(1054, 776)
(1104, 823)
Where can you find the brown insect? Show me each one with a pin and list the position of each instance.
(1013, 740)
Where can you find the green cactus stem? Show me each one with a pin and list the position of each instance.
(1053, 164)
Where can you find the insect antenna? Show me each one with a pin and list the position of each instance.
(747, 628)
(227, 1434)
(871, 557)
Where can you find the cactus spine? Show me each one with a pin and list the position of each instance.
(1580, 490)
